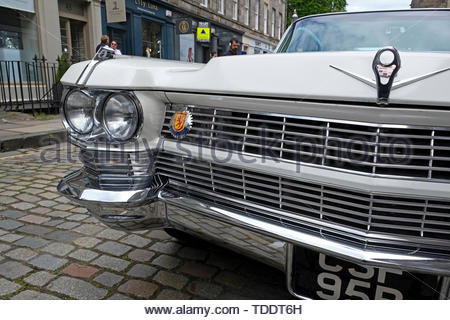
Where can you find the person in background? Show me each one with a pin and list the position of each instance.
(104, 41)
(114, 47)
(213, 55)
(234, 48)
(190, 55)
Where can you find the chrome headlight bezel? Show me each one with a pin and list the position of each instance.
(138, 115)
(68, 120)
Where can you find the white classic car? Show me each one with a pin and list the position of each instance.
(329, 160)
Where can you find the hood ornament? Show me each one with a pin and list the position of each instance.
(385, 66)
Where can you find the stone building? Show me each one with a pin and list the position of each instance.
(430, 4)
(257, 24)
(47, 28)
(156, 28)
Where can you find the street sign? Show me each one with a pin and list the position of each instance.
(184, 26)
(115, 11)
(203, 32)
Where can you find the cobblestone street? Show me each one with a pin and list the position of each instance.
(52, 249)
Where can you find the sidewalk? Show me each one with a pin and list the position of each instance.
(19, 130)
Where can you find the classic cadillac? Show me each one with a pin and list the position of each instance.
(329, 159)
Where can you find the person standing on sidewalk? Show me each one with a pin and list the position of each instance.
(234, 48)
(114, 46)
(104, 41)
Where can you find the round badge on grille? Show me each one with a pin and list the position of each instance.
(181, 124)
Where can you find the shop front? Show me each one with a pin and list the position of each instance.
(196, 39)
(148, 30)
(256, 45)
(18, 30)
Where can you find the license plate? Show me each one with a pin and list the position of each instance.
(318, 276)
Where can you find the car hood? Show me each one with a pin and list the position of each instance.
(306, 76)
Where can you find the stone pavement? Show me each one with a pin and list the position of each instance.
(52, 249)
(19, 130)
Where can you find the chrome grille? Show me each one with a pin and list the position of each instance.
(420, 221)
(118, 170)
(372, 149)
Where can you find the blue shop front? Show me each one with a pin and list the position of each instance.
(148, 30)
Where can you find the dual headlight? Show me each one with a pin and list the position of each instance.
(119, 114)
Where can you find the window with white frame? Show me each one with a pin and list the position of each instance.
(266, 13)
(204, 3)
(235, 9)
(220, 6)
(272, 30)
(257, 15)
(280, 19)
(246, 12)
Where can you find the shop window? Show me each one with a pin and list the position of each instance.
(151, 39)
(73, 39)
(18, 35)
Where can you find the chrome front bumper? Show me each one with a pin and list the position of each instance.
(128, 210)
(159, 206)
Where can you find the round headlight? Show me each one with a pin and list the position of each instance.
(78, 110)
(121, 116)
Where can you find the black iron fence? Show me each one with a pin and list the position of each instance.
(29, 86)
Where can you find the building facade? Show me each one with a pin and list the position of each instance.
(257, 24)
(153, 28)
(148, 29)
(430, 4)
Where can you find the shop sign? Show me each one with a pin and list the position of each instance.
(184, 26)
(115, 11)
(146, 5)
(203, 32)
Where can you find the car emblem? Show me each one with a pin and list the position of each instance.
(385, 66)
(181, 124)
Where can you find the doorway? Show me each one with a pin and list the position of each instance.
(151, 39)
(119, 36)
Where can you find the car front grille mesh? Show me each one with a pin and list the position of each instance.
(372, 149)
(285, 199)
(118, 170)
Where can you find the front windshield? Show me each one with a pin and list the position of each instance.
(404, 30)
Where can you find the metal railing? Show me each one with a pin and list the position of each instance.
(29, 86)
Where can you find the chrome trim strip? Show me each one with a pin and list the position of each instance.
(321, 119)
(329, 111)
(319, 224)
(400, 84)
(322, 167)
(413, 262)
(352, 181)
(369, 82)
(289, 272)
(83, 78)
(407, 82)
